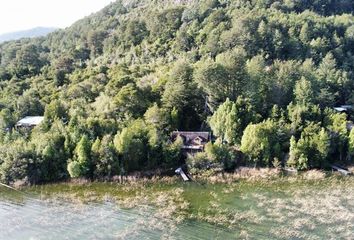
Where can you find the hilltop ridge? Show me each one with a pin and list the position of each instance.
(31, 33)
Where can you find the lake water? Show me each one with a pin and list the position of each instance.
(241, 210)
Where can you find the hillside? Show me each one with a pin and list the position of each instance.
(31, 33)
(263, 76)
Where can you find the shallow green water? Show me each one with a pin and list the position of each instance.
(241, 210)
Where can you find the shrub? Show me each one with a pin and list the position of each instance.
(172, 153)
(201, 161)
(216, 156)
(311, 150)
(74, 169)
(263, 142)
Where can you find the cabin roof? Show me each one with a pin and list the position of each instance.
(343, 108)
(192, 135)
(30, 121)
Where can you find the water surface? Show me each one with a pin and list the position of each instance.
(241, 210)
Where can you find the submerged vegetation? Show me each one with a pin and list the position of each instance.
(259, 208)
(264, 76)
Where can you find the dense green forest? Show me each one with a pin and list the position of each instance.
(262, 75)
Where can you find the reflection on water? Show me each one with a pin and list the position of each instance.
(29, 218)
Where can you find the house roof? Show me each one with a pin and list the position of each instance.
(347, 106)
(340, 109)
(30, 121)
(191, 135)
(343, 108)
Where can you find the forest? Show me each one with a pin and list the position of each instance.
(263, 76)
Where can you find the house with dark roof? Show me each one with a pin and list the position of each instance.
(193, 142)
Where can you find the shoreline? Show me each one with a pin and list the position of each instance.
(205, 177)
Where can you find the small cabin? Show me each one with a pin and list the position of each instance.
(193, 142)
(29, 122)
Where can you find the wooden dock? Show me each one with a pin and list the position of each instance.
(343, 171)
(182, 174)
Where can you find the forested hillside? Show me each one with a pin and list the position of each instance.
(262, 75)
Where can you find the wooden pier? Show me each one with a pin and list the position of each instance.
(343, 171)
(183, 175)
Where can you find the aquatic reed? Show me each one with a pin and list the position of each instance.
(311, 205)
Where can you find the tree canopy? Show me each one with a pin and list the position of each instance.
(263, 75)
